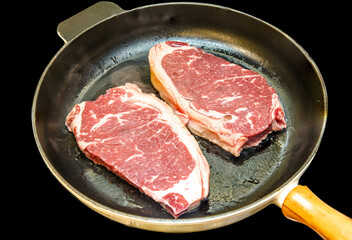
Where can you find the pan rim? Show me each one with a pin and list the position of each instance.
(200, 223)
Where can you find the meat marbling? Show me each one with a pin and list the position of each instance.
(140, 139)
(232, 106)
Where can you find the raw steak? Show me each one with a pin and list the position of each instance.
(231, 106)
(139, 138)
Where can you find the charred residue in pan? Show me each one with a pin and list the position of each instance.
(234, 180)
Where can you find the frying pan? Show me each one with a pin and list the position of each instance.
(106, 46)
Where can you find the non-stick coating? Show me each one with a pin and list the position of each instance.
(115, 52)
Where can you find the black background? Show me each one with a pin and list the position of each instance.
(42, 207)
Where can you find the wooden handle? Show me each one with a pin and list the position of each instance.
(303, 206)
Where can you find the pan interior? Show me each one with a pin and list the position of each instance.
(234, 180)
(115, 52)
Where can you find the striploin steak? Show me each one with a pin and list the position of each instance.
(139, 138)
(231, 106)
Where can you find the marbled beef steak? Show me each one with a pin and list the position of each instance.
(223, 102)
(140, 139)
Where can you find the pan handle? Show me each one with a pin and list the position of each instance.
(303, 206)
(82, 21)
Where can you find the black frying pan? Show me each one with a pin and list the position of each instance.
(106, 46)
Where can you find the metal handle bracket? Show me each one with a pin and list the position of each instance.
(82, 21)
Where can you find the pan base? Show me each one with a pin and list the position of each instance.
(234, 181)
